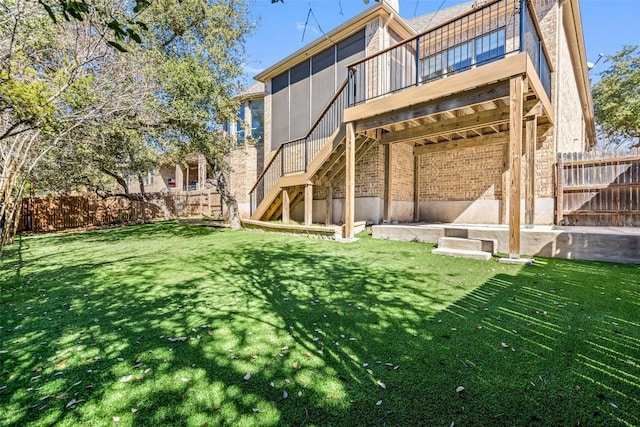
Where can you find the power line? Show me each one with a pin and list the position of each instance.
(434, 15)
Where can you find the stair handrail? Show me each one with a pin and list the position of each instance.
(278, 153)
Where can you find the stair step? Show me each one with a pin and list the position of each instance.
(483, 245)
(462, 253)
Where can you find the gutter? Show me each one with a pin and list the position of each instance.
(573, 24)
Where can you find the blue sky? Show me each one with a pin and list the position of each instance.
(608, 25)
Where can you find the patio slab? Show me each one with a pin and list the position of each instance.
(612, 244)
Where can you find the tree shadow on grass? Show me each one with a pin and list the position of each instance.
(351, 341)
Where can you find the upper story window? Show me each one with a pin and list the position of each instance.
(240, 124)
(480, 50)
(249, 123)
(257, 120)
(490, 47)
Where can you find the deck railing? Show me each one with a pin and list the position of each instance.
(294, 156)
(484, 35)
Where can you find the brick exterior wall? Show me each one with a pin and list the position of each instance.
(402, 173)
(245, 163)
(467, 174)
(472, 175)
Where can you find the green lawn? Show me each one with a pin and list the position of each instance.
(166, 324)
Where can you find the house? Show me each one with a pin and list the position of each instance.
(447, 117)
(190, 175)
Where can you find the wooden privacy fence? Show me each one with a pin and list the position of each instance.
(599, 188)
(58, 212)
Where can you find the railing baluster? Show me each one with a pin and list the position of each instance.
(448, 49)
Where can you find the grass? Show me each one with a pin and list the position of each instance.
(160, 324)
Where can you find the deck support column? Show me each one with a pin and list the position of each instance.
(388, 182)
(329, 206)
(285, 206)
(530, 180)
(515, 163)
(308, 204)
(416, 188)
(350, 187)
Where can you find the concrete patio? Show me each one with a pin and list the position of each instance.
(612, 244)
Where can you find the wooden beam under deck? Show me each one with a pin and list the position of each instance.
(285, 206)
(350, 187)
(515, 159)
(457, 125)
(411, 112)
(491, 139)
(308, 204)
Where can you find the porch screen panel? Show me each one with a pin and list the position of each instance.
(349, 50)
(279, 110)
(323, 80)
(300, 104)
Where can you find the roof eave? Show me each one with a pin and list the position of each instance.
(339, 33)
(573, 24)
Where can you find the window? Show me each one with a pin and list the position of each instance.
(432, 67)
(148, 179)
(257, 120)
(481, 50)
(490, 47)
(240, 134)
(459, 57)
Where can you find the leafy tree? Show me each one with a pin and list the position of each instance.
(100, 16)
(617, 99)
(49, 86)
(69, 97)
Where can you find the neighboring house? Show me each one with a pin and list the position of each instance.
(445, 117)
(190, 175)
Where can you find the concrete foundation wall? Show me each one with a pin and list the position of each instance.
(612, 244)
(481, 211)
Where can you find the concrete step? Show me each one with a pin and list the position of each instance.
(485, 245)
(462, 253)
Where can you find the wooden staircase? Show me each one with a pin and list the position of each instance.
(316, 158)
(327, 167)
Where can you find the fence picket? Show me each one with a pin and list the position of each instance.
(58, 212)
(599, 188)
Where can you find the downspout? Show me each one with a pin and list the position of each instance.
(556, 107)
(387, 40)
(558, 67)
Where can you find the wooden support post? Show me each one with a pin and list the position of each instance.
(202, 171)
(329, 207)
(308, 204)
(416, 188)
(530, 180)
(515, 163)
(285, 206)
(350, 187)
(388, 165)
